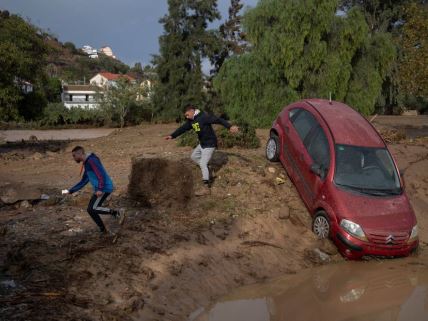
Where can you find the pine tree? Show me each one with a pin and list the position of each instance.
(185, 42)
(232, 37)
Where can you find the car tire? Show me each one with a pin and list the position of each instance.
(321, 225)
(272, 149)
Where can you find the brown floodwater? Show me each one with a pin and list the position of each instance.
(395, 290)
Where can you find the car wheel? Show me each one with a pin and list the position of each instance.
(272, 149)
(321, 225)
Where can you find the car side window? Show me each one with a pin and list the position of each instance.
(318, 148)
(302, 121)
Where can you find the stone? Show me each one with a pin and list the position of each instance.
(25, 204)
(36, 156)
(316, 256)
(11, 194)
(271, 170)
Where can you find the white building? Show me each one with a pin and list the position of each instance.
(91, 52)
(107, 51)
(83, 96)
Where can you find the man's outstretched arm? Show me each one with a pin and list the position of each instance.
(80, 185)
(218, 120)
(179, 131)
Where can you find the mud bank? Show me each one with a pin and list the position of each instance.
(167, 261)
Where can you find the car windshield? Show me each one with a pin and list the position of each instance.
(366, 170)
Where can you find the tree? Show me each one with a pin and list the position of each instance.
(303, 49)
(118, 99)
(22, 58)
(413, 67)
(232, 37)
(185, 42)
(381, 15)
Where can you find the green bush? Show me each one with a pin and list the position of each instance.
(57, 114)
(245, 138)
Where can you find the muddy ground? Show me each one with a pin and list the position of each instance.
(167, 260)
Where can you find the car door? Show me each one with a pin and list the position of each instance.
(318, 150)
(300, 124)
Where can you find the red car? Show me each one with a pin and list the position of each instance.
(346, 176)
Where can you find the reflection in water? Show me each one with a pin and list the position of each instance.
(353, 291)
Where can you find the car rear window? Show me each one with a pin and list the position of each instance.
(302, 121)
(318, 148)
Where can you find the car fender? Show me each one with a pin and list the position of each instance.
(327, 208)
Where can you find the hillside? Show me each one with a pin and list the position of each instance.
(66, 62)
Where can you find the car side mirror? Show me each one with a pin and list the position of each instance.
(318, 170)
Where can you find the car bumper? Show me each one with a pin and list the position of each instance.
(354, 248)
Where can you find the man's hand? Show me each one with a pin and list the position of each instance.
(234, 129)
(98, 193)
(168, 137)
(65, 192)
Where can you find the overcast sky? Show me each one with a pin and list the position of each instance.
(129, 27)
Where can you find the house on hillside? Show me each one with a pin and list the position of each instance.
(105, 79)
(83, 96)
(107, 51)
(91, 52)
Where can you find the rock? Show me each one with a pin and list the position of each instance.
(11, 194)
(327, 246)
(271, 170)
(36, 156)
(316, 256)
(25, 204)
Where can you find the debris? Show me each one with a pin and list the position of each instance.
(392, 135)
(279, 181)
(271, 170)
(261, 243)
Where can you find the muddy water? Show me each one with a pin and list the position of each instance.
(59, 134)
(351, 291)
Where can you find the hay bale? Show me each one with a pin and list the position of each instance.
(157, 182)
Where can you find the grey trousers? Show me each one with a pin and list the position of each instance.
(202, 156)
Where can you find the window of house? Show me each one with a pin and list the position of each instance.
(87, 98)
(302, 121)
(70, 97)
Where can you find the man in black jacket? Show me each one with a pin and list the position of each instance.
(201, 123)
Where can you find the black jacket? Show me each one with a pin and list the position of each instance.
(201, 124)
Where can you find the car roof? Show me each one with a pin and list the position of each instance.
(347, 125)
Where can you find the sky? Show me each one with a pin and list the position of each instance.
(130, 27)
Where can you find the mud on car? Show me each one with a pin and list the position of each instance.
(346, 177)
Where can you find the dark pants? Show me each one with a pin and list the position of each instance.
(95, 209)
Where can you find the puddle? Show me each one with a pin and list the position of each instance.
(352, 291)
